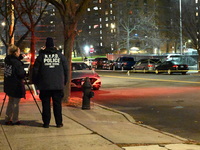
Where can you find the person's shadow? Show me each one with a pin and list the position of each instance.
(31, 123)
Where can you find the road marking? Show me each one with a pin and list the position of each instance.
(152, 79)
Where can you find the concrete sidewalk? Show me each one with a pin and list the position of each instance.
(99, 128)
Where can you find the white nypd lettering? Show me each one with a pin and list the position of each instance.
(51, 60)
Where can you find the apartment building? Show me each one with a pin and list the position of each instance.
(111, 25)
(152, 26)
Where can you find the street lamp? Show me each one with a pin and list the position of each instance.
(87, 48)
(181, 28)
(189, 41)
(3, 24)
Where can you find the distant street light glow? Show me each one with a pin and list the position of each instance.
(3, 24)
(86, 48)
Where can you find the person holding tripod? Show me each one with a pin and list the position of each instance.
(50, 76)
(14, 87)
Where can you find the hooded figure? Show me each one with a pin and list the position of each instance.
(50, 76)
(14, 74)
(49, 42)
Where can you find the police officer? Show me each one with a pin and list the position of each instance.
(50, 76)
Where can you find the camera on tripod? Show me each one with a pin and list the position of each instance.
(31, 87)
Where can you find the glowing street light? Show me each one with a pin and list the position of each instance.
(86, 48)
(189, 41)
(3, 24)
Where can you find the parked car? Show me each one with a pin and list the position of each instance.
(89, 61)
(2, 63)
(80, 71)
(108, 65)
(98, 63)
(146, 65)
(172, 57)
(172, 67)
(124, 63)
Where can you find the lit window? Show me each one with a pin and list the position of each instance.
(106, 19)
(100, 25)
(106, 12)
(89, 27)
(110, 5)
(111, 12)
(101, 44)
(100, 1)
(88, 9)
(95, 8)
(196, 1)
(107, 25)
(100, 19)
(100, 31)
(197, 14)
(112, 25)
(95, 26)
(101, 37)
(51, 22)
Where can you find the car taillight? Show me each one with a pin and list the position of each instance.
(175, 66)
(125, 63)
(150, 65)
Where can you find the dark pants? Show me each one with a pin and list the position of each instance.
(45, 96)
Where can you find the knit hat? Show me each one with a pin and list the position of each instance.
(49, 42)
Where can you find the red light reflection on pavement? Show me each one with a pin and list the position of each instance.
(29, 97)
(131, 93)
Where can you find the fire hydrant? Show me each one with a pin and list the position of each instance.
(87, 93)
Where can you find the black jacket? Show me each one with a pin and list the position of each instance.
(14, 74)
(50, 70)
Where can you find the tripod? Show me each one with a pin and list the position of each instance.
(31, 94)
(4, 99)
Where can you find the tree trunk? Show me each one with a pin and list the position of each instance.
(68, 47)
(32, 53)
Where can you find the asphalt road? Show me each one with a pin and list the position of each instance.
(170, 103)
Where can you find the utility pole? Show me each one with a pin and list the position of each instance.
(181, 29)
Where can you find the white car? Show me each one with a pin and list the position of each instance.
(89, 61)
(80, 71)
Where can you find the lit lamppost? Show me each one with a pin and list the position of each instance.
(189, 41)
(112, 26)
(86, 48)
(181, 28)
(3, 24)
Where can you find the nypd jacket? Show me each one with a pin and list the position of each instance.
(14, 74)
(50, 70)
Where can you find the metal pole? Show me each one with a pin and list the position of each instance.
(181, 28)
(33, 96)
